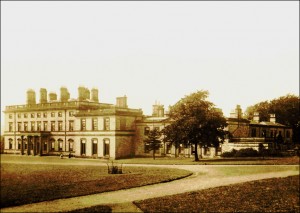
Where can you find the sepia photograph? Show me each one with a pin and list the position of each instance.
(150, 106)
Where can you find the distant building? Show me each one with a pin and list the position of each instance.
(85, 127)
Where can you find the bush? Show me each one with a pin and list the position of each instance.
(249, 152)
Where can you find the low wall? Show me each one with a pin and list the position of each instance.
(229, 146)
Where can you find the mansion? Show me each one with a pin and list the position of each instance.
(85, 127)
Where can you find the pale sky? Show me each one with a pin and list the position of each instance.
(241, 52)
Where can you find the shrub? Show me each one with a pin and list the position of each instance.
(249, 152)
(229, 154)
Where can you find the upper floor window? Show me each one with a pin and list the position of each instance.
(52, 114)
(94, 124)
(19, 126)
(52, 125)
(146, 130)
(32, 126)
(71, 113)
(71, 125)
(10, 126)
(38, 127)
(32, 115)
(83, 124)
(60, 126)
(59, 114)
(45, 126)
(156, 128)
(45, 114)
(10, 116)
(106, 124)
(38, 115)
(19, 115)
(25, 126)
(25, 115)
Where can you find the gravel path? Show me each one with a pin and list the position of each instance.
(205, 176)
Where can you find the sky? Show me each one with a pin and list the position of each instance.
(241, 52)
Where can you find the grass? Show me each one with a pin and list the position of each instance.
(217, 161)
(41, 182)
(270, 195)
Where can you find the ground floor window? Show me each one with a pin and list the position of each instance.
(45, 146)
(19, 143)
(52, 145)
(169, 146)
(71, 145)
(94, 146)
(60, 144)
(83, 147)
(106, 147)
(10, 141)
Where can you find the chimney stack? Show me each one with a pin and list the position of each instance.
(31, 97)
(64, 94)
(95, 95)
(256, 117)
(158, 110)
(122, 102)
(52, 96)
(43, 96)
(272, 118)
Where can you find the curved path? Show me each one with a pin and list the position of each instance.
(204, 176)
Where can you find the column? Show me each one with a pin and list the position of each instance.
(28, 144)
(41, 145)
(22, 144)
(34, 145)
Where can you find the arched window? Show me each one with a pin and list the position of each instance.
(94, 146)
(52, 144)
(10, 143)
(106, 147)
(71, 145)
(83, 146)
(60, 144)
(19, 143)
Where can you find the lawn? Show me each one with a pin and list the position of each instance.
(29, 183)
(270, 195)
(216, 161)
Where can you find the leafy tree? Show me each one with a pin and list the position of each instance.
(287, 111)
(153, 141)
(194, 120)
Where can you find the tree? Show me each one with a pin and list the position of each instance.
(287, 111)
(153, 141)
(194, 120)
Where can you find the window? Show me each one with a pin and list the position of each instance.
(71, 145)
(71, 113)
(60, 126)
(39, 124)
(45, 128)
(169, 146)
(52, 114)
(38, 115)
(94, 124)
(32, 115)
(32, 126)
(106, 124)
(10, 126)
(156, 128)
(45, 146)
(10, 116)
(45, 114)
(146, 130)
(82, 146)
(287, 134)
(25, 126)
(59, 114)
(10, 143)
(83, 124)
(52, 125)
(106, 147)
(146, 148)
(253, 132)
(52, 142)
(25, 115)
(19, 126)
(71, 125)
(19, 143)
(19, 115)
(60, 144)
(94, 146)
